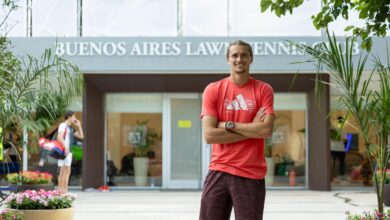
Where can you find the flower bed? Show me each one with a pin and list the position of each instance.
(29, 177)
(32, 200)
(375, 215)
(11, 215)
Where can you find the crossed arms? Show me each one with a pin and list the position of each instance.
(260, 127)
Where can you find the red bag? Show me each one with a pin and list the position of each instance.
(55, 148)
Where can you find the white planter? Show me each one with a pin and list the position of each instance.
(141, 171)
(269, 178)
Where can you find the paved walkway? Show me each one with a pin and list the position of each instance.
(179, 205)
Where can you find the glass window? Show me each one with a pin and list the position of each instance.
(15, 25)
(205, 18)
(54, 18)
(247, 20)
(130, 18)
(286, 151)
(350, 166)
(134, 139)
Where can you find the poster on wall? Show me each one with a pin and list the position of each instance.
(134, 135)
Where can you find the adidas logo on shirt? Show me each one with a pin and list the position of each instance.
(239, 103)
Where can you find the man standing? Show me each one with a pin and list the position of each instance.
(65, 136)
(237, 114)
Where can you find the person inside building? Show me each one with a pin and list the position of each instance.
(337, 146)
(237, 114)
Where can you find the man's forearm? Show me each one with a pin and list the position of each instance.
(256, 129)
(253, 130)
(79, 134)
(221, 136)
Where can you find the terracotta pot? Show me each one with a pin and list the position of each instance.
(386, 194)
(48, 214)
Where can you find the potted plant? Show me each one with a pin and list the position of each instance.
(32, 180)
(369, 106)
(48, 205)
(7, 214)
(144, 138)
(386, 187)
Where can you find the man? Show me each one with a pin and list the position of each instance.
(237, 114)
(65, 136)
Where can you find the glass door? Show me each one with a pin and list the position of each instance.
(134, 140)
(182, 124)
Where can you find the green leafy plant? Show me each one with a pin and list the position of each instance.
(44, 85)
(7, 214)
(31, 199)
(150, 136)
(375, 15)
(385, 177)
(370, 106)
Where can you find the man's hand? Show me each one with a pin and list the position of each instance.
(260, 115)
(215, 133)
(79, 133)
(77, 123)
(66, 151)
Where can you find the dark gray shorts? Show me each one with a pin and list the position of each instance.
(222, 191)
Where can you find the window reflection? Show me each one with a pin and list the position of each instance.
(286, 151)
(349, 164)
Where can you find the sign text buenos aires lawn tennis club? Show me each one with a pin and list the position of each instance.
(174, 48)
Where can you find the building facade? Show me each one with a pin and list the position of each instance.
(146, 64)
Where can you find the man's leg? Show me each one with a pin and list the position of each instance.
(216, 203)
(248, 196)
(65, 178)
(66, 172)
(60, 182)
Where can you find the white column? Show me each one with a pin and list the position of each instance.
(25, 153)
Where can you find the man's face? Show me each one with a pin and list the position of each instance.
(239, 59)
(72, 118)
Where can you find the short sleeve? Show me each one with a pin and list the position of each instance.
(61, 127)
(209, 101)
(268, 99)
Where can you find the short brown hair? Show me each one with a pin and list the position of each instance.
(68, 114)
(239, 42)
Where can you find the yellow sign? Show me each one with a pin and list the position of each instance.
(184, 124)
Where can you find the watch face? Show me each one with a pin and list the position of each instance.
(229, 125)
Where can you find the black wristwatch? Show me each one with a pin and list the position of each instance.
(229, 125)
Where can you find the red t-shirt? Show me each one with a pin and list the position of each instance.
(229, 102)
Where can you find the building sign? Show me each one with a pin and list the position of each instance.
(178, 54)
(175, 48)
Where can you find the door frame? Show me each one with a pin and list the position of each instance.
(167, 182)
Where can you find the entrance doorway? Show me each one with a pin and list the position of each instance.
(134, 140)
(183, 154)
(154, 140)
